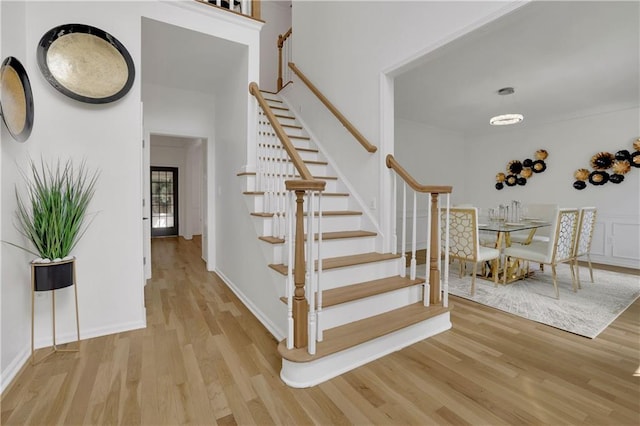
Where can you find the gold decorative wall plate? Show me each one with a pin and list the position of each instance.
(16, 99)
(85, 63)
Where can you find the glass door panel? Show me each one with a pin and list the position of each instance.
(164, 201)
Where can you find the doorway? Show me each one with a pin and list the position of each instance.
(164, 201)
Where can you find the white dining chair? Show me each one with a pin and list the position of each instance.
(560, 249)
(464, 244)
(586, 225)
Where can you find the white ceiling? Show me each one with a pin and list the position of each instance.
(188, 60)
(564, 59)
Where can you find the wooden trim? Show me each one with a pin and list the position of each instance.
(305, 185)
(300, 304)
(346, 123)
(256, 11)
(393, 164)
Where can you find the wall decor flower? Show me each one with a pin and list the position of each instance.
(608, 167)
(518, 172)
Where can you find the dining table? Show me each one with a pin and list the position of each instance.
(503, 230)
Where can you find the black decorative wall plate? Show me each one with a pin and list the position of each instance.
(85, 63)
(16, 99)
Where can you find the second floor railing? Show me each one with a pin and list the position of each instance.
(432, 227)
(244, 7)
(284, 57)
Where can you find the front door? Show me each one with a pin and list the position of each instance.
(164, 201)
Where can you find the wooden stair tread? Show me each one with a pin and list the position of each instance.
(324, 194)
(294, 177)
(349, 335)
(280, 147)
(279, 108)
(326, 213)
(291, 126)
(343, 261)
(325, 236)
(349, 293)
(288, 160)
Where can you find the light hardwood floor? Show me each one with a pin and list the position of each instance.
(204, 359)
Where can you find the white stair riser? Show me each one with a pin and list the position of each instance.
(276, 253)
(263, 202)
(339, 277)
(306, 374)
(264, 225)
(345, 313)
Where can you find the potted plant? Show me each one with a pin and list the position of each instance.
(52, 216)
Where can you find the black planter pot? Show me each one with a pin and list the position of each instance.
(53, 276)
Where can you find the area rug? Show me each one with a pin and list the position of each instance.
(587, 312)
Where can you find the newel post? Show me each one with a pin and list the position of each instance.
(300, 306)
(434, 272)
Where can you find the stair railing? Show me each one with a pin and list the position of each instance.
(433, 287)
(243, 7)
(284, 56)
(341, 118)
(285, 183)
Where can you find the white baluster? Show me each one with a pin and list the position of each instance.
(445, 286)
(414, 236)
(319, 274)
(394, 213)
(282, 188)
(427, 286)
(403, 247)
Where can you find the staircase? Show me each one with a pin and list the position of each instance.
(369, 307)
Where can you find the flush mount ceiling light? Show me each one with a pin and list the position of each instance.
(506, 119)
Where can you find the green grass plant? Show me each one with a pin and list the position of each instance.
(53, 212)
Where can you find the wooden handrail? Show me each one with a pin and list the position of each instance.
(283, 37)
(284, 138)
(435, 191)
(346, 123)
(393, 164)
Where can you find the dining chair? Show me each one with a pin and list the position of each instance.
(464, 244)
(586, 224)
(560, 249)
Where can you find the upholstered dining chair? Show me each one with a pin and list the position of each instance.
(560, 249)
(586, 224)
(464, 244)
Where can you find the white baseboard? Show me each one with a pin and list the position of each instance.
(7, 376)
(269, 325)
(12, 370)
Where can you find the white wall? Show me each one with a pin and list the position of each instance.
(239, 260)
(570, 144)
(433, 156)
(277, 17)
(109, 266)
(347, 59)
(109, 271)
(14, 282)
